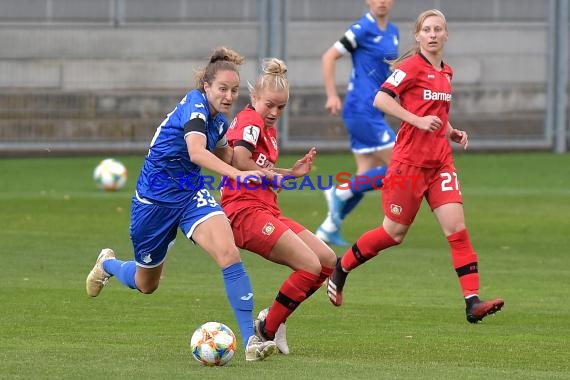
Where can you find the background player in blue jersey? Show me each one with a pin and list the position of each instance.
(169, 194)
(371, 42)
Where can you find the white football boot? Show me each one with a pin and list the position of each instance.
(98, 278)
(280, 335)
(257, 349)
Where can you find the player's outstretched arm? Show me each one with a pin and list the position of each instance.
(225, 154)
(199, 155)
(302, 167)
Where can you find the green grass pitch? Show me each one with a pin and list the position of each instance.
(403, 316)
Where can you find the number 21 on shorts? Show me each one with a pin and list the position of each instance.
(449, 182)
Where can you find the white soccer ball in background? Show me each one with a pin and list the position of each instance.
(213, 344)
(110, 175)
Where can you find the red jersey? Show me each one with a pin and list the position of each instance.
(424, 91)
(248, 129)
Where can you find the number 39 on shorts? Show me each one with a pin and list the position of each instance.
(449, 182)
(204, 198)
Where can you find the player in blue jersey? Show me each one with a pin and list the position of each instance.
(169, 195)
(371, 42)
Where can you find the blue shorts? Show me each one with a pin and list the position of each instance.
(369, 135)
(153, 228)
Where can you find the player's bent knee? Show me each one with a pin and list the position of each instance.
(327, 258)
(313, 265)
(314, 269)
(454, 229)
(148, 288)
(399, 238)
(226, 257)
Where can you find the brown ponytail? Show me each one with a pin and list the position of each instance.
(222, 59)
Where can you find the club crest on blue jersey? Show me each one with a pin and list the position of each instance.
(146, 258)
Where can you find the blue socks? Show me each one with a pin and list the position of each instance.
(377, 173)
(240, 296)
(124, 271)
(350, 204)
(359, 189)
(236, 281)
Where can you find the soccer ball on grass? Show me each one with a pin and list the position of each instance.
(213, 344)
(110, 175)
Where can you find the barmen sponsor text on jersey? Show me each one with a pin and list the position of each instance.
(434, 95)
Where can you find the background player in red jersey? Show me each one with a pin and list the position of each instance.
(422, 161)
(255, 217)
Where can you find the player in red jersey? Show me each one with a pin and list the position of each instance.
(254, 214)
(421, 166)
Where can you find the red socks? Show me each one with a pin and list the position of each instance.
(462, 253)
(465, 262)
(366, 247)
(325, 273)
(293, 291)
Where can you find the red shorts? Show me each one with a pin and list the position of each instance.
(405, 186)
(258, 229)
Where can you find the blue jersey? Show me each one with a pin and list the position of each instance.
(168, 177)
(370, 48)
